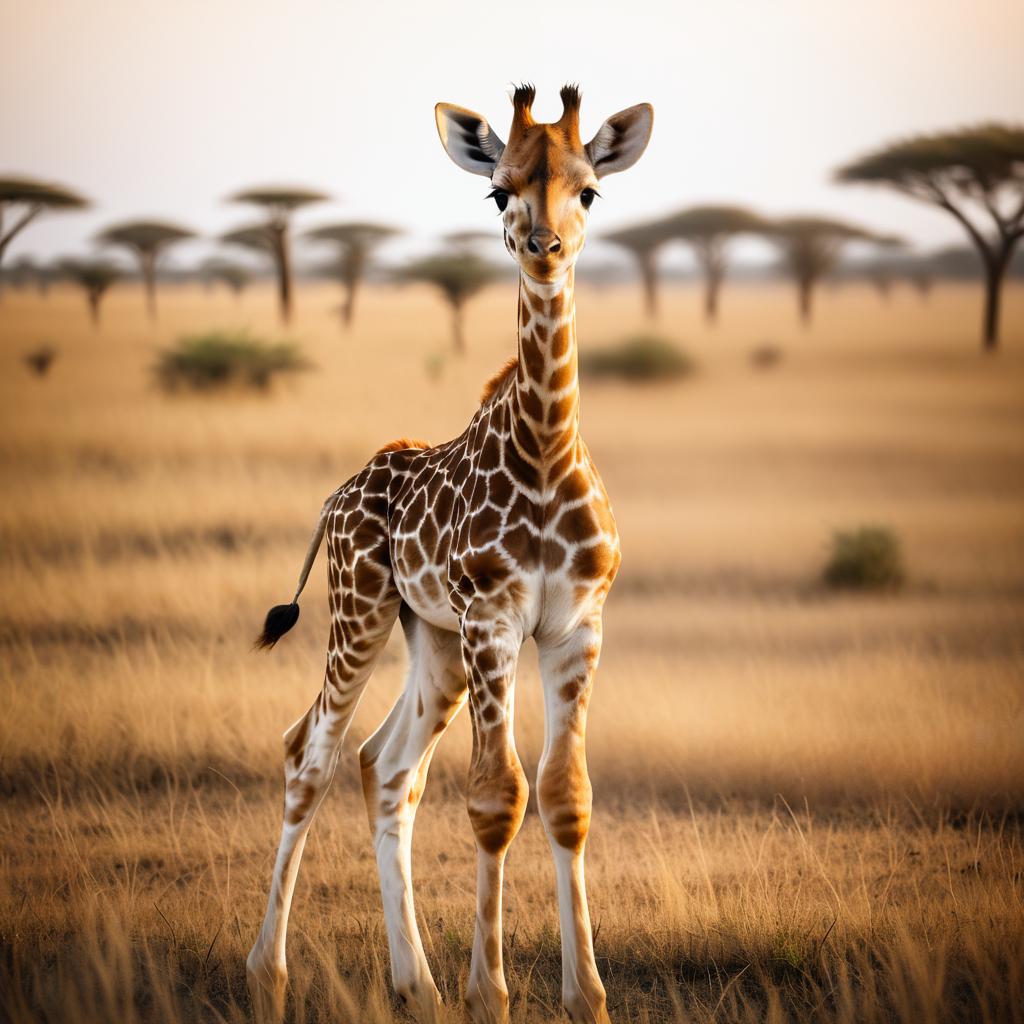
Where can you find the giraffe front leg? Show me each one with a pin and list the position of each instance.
(564, 797)
(496, 799)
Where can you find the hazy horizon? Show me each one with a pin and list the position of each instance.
(163, 112)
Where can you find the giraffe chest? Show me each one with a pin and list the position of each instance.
(545, 557)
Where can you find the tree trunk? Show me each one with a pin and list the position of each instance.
(649, 274)
(712, 286)
(147, 261)
(805, 295)
(94, 307)
(995, 271)
(284, 273)
(457, 335)
(349, 306)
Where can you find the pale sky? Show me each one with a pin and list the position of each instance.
(156, 109)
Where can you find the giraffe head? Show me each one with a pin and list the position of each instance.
(544, 178)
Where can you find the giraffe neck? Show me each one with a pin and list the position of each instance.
(547, 397)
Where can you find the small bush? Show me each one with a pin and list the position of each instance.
(218, 360)
(639, 358)
(868, 558)
(765, 356)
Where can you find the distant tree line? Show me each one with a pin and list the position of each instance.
(976, 175)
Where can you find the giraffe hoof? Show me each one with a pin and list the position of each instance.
(492, 1009)
(423, 1001)
(267, 985)
(583, 1010)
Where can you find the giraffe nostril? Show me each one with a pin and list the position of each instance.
(543, 241)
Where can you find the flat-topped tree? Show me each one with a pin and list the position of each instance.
(458, 276)
(708, 229)
(355, 242)
(23, 199)
(234, 275)
(280, 204)
(643, 241)
(95, 276)
(147, 240)
(973, 174)
(810, 248)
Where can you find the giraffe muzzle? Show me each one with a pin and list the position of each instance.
(543, 241)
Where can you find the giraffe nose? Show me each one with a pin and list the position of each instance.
(543, 240)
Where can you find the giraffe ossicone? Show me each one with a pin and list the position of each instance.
(503, 533)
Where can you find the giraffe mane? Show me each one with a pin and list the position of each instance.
(401, 444)
(497, 382)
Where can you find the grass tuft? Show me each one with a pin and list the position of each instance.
(642, 357)
(222, 359)
(867, 558)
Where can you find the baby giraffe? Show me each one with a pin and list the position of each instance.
(476, 544)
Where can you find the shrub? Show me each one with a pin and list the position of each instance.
(867, 558)
(765, 356)
(220, 359)
(643, 357)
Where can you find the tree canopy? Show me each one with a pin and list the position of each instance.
(810, 247)
(146, 236)
(280, 199)
(643, 241)
(146, 239)
(458, 276)
(31, 198)
(279, 203)
(981, 167)
(361, 233)
(254, 237)
(94, 275)
(709, 221)
(354, 241)
(708, 230)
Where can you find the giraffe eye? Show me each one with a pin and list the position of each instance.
(500, 197)
(587, 196)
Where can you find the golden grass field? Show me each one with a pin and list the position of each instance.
(808, 806)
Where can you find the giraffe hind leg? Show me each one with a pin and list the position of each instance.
(394, 763)
(312, 746)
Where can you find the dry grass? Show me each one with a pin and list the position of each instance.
(808, 806)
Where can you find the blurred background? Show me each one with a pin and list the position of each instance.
(235, 261)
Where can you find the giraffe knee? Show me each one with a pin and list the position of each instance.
(497, 803)
(565, 799)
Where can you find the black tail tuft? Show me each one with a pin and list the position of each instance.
(280, 619)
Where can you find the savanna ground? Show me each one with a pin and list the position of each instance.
(808, 806)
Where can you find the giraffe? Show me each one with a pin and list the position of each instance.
(474, 545)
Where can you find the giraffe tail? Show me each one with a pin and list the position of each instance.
(282, 617)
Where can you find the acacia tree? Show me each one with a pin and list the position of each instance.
(458, 276)
(967, 173)
(147, 240)
(95, 276)
(810, 248)
(234, 275)
(708, 229)
(280, 204)
(22, 200)
(643, 241)
(354, 242)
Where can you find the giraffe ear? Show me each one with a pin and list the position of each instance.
(621, 140)
(468, 139)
